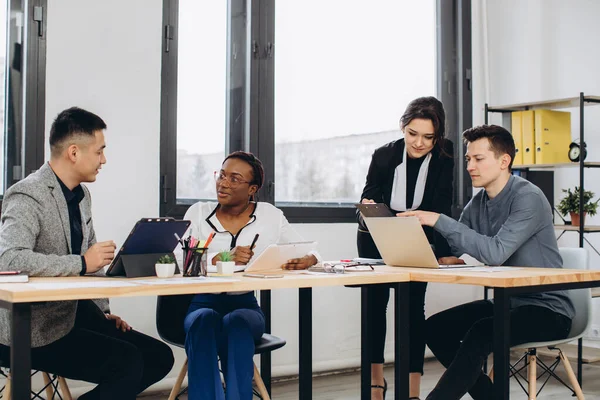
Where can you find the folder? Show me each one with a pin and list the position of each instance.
(552, 136)
(527, 126)
(517, 132)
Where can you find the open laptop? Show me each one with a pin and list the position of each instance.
(402, 242)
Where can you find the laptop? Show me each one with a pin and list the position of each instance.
(402, 242)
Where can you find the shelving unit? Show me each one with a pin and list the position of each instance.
(579, 102)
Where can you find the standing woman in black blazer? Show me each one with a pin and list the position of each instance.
(411, 173)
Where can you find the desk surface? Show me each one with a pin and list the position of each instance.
(87, 287)
(503, 279)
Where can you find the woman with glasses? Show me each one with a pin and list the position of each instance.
(415, 172)
(225, 326)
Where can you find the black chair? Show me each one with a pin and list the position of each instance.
(52, 383)
(170, 314)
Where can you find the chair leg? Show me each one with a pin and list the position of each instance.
(179, 381)
(7, 388)
(571, 375)
(48, 384)
(64, 388)
(532, 376)
(260, 385)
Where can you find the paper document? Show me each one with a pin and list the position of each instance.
(80, 284)
(184, 281)
(481, 269)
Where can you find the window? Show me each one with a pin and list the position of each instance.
(311, 87)
(201, 87)
(340, 91)
(3, 78)
(22, 99)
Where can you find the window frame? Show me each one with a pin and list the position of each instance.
(25, 150)
(453, 45)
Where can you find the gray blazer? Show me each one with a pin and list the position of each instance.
(35, 237)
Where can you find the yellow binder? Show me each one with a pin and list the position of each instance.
(517, 132)
(552, 136)
(527, 125)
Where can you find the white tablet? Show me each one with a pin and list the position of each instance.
(275, 255)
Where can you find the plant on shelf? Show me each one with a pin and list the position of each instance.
(570, 204)
(166, 259)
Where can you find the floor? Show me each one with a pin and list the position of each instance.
(346, 386)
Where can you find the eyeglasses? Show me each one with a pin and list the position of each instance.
(340, 268)
(233, 180)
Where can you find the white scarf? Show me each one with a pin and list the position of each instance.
(398, 200)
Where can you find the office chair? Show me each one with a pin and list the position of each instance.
(573, 258)
(170, 314)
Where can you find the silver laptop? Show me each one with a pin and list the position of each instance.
(402, 242)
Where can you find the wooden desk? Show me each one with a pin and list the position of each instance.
(505, 285)
(18, 298)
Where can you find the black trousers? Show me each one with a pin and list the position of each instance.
(378, 298)
(462, 337)
(122, 364)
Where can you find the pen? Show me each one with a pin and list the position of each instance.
(209, 239)
(254, 241)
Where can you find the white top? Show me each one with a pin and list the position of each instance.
(267, 220)
(398, 198)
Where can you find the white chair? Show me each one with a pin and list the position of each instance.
(573, 258)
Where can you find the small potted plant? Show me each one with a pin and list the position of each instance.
(570, 205)
(165, 266)
(225, 265)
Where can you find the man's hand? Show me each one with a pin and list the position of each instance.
(451, 261)
(241, 254)
(426, 218)
(122, 325)
(300, 263)
(99, 255)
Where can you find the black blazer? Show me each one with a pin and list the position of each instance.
(437, 196)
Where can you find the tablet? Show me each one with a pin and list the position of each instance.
(148, 236)
(275, 255)
(375, 210)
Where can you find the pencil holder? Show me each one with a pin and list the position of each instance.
(195, 261)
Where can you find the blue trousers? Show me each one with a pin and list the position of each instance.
(225, 327)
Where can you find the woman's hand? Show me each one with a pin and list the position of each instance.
(241, 254)
(367, 201)
(300, 263)
(451, 261)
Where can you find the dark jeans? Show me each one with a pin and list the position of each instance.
(122, 364)
(462, 337)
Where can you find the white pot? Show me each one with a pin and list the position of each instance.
(225, 267)
(164, 270)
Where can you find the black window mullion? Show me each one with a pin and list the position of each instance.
(35, 86)
(168, 111)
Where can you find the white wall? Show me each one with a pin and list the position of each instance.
(541, 50)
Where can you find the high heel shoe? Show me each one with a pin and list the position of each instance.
(384, 387)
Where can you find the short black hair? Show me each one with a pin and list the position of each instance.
(501, 141)
(258, 172)
(71, 122)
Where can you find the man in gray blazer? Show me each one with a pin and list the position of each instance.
(47, 230)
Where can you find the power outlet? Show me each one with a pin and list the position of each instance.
(594, 332)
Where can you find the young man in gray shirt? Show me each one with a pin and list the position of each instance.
(507, 223)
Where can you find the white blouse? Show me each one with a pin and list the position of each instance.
(266, 220)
